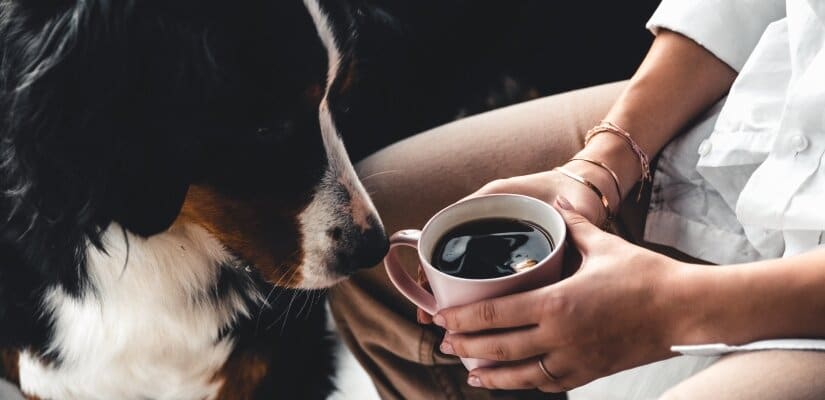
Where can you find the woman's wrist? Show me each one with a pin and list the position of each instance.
(612, 163)
(678, 292)
(701, 305)
(616, 154)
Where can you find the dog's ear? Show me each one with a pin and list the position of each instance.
(147, 194)
(75, 144)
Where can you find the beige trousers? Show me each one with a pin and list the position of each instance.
(411, 180)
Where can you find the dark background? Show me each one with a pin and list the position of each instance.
(426, 62)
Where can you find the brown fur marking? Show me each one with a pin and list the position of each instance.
(313, 95)
(350, 75)
(241, 375)
(268, 238)
(9, 362)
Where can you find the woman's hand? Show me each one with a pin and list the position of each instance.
(548, 186)
(615, 313)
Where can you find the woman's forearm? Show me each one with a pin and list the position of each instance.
(677, 81)
(761, 300)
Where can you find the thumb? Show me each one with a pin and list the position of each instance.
(581, 230)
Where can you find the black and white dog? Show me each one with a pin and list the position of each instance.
(173, 180)
(162, 165)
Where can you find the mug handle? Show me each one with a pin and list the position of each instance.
(400, 278)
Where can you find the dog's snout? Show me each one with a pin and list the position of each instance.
(363, 249)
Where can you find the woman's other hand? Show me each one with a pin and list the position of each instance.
(615, 313)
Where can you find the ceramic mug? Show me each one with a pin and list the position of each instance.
(450, 291)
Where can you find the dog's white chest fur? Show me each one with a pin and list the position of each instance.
(150, 330)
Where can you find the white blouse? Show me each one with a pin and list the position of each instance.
(746, 181)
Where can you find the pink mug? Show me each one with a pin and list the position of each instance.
(450, 291)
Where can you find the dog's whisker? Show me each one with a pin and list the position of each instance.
(313, 294)
(285, 315)
(318, 295)
(284, 290)
(307, 297)
(300, 292)
(370, 176)
(264, 304)
(285, 277)
(276, 286)
(311, 303)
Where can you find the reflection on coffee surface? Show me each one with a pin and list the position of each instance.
(491, 248)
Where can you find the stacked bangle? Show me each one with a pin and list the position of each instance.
(605, 202)
(644, 161)
(606, 168)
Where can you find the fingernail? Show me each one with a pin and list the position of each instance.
(563, 203)
(447, 348)
(474, 381)
(439, 320)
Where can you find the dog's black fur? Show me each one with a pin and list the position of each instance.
(111, 109)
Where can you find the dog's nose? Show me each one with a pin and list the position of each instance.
(365, 250)
(372, 248)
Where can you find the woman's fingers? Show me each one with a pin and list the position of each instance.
(525, 374)
(511, 311)
(581, 231)
(510, 345)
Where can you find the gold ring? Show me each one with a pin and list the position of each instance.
(547, 373)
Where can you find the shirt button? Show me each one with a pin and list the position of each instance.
(704, 147)
(799, 143)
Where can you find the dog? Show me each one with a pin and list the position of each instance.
(165, 174)
(175, 193)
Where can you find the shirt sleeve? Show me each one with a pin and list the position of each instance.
(730, 29)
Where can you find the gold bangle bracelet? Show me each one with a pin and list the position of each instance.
(644, 160)
(594, 188)
(606, 168)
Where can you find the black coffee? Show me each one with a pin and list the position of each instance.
(491, 248)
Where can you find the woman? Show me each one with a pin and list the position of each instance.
(739, 183)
